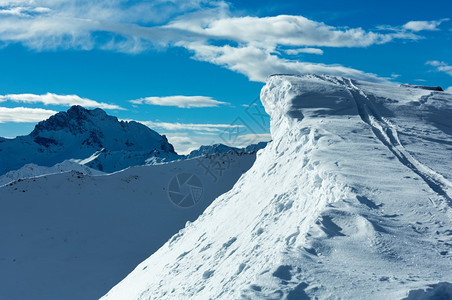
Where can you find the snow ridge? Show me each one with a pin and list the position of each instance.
(340, 205)
(33, 170)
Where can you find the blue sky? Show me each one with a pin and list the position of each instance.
(193, 69)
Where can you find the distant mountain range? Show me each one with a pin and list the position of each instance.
(96, 140)
(221, 148)
(72, 231)
(78, 134)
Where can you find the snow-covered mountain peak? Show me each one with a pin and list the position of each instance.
(79, 133)
(77, 120)
(101, 130)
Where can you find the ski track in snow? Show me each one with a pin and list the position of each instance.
(387, 134)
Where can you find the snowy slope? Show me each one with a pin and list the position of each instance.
(78, 134)
(32, 170)
(114, 160)
(72, 236)
(350, 200)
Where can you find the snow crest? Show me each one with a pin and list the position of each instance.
(32, 170)
(351, 199)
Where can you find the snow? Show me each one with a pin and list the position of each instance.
(90, 159)
(350, 200)
(73, 236)
(33, 170)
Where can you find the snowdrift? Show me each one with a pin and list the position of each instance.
(351, 199)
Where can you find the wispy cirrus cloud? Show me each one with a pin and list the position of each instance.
(24, 114)
(180, 101)
(254, 42)
(424, 25)
(126, 26)
(283, 30)
(195, 25)
(209, 128)
(186, 137)
(304, 50)
(441, 66)
(54, 99)
(257, 63)
(184, 143)
(23, 11)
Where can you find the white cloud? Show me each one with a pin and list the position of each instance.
(24, 11)
(304, 50)
(195, 25)
(448, 90)
(127, 26)
(210, 128)
(257, 64)
(184, 142)
(441, 66)
(24, 114)
(180, 101)
(54, 99)
(283, 30)
(424, 25)
(255, 42)
(186, 137)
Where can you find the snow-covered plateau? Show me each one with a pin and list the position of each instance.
(351, 200)
(73, 236)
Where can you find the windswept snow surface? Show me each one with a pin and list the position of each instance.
(73, 236)
(32, 170)
(351, 200)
